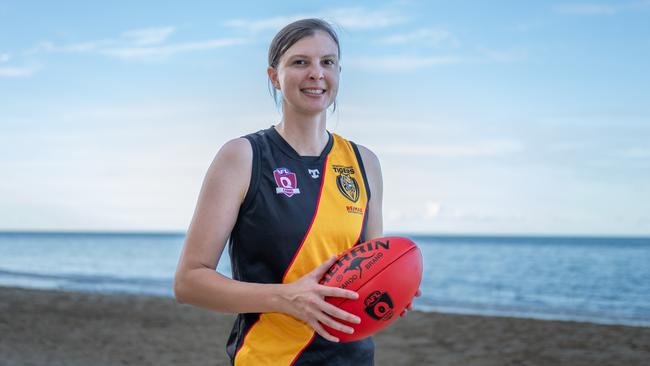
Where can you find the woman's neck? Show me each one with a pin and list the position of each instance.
(307, 135)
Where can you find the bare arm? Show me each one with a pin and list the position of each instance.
(374, 226)
(196, 282)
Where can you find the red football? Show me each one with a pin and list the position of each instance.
(386, 272)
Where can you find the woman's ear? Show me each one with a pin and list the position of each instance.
(273, 76)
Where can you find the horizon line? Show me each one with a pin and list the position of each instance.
(388, 234)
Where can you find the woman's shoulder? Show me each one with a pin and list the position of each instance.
(236, 150)
(370, 159)
(230, 170)
(239, 151)
(233, 159)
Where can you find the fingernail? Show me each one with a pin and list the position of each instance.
(357, 320)
(349, 330)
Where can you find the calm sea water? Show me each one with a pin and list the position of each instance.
(602, 280)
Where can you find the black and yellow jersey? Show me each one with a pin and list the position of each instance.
(298, 212)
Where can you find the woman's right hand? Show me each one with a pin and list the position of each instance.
(305, 300)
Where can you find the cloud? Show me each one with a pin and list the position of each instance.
(136, 38)
(83, 47)
(348, 18)
(502, 56)
(360, 18)
(273, 23)
(424, 36)
(160, 52)
(634, 153)
(481, 148)
(148, 36)
(641, 4)
(13, 71)
(10, 72)
(400, 62)
(524, 26)
(146, 44)
(480, 215)
(432, 209)
(586, 9)
(41, 47)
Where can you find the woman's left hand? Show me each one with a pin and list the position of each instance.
(409, 307)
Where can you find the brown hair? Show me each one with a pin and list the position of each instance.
(291, 34)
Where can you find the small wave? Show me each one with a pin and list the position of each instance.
(86, 282)
(529, 312)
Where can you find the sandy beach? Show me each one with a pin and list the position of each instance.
(67, 328)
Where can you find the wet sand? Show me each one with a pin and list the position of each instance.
(66, 328)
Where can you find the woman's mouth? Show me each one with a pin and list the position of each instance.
(313, 92)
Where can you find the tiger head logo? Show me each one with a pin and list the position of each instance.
(348, 187)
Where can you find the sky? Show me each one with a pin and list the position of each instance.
(500, 117)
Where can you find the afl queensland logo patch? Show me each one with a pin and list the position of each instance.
(286, 181)
(347, 185)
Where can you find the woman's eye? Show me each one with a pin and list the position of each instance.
(329, 62)
(299, 62)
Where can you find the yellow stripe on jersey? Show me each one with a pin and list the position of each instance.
(277, 338)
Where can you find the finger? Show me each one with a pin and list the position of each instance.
(323, 318)
(322, 332)
(339, 313)
(319, 271)
(337, 292)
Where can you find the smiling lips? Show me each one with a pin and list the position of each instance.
(314, 92)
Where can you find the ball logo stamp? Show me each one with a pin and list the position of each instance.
(347, 185)
(355, 264)
(286, 181)
(379, 306)
(364, 255)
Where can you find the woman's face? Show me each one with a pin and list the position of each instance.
(308, 74)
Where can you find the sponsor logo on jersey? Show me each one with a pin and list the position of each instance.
(354, 210)
(314, 173)
(347, 185)
(286, 181)
(379, 305)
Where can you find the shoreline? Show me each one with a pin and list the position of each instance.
(437, 309)
(73, 328)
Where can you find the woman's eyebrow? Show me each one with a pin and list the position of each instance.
(305, 56)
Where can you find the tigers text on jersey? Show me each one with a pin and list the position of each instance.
(297, 213)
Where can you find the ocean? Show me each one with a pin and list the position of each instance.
(599, 280)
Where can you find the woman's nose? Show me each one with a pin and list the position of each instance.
(316, 72)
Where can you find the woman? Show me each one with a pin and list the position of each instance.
(290, 198)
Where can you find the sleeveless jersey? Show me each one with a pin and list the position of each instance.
(298, 212)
